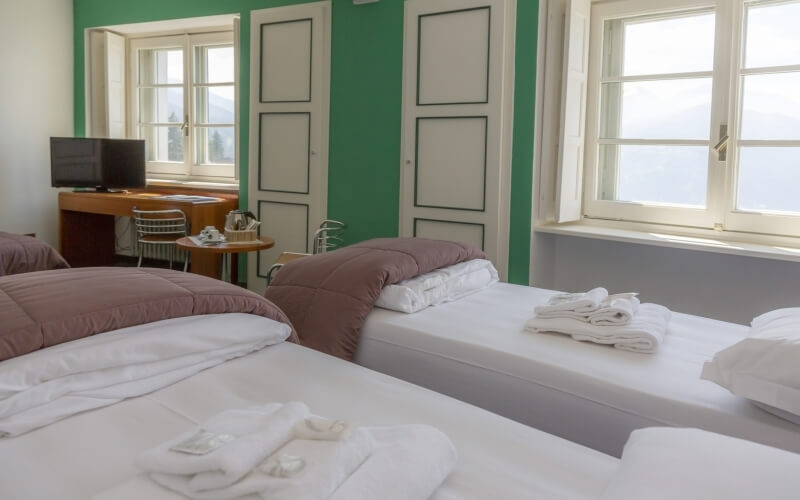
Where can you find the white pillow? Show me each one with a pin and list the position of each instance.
(764, 367)
(438, 286)
(661, 463)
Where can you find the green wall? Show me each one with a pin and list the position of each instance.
(365, 114)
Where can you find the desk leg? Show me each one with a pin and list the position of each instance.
(86, 239)
(234, 274)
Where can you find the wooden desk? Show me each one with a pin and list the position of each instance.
(86, 224)
(232, 249)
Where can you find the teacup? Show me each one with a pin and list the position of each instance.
(210, 233)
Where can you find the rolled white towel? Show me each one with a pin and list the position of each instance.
(618, 309)
(255, 432)
(579, 303)
(323, 466)
(644, 334)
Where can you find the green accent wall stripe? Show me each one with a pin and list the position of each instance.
(519, 244)
(365, 112)
(365, 118)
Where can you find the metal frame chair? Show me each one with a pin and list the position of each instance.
(327, 237)
(160, 227)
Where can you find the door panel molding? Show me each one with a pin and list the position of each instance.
(417, 220)
(269, 256)
(452, 151)
(310, 69)
(261, 166)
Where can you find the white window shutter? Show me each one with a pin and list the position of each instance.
(573, 111)
(114, 85)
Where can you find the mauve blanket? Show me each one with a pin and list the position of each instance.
(24, 254)
(50, 307)
(328, 296)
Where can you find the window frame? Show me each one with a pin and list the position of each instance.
(745, 220)
(720, 213)
(641, 212)
(188, 169)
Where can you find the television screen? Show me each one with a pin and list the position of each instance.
(99, 163)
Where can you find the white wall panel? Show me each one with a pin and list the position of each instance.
(287, 224)
(286, 61)
(454, 57)
(462, 232)
(451, 162)
(284, 152)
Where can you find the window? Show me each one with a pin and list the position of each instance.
(693, 114)
(183, 105)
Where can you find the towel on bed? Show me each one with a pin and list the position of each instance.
(409, 462)
(580, 303)
(643, 334)
(595, 306)
(323, 467)
(253, 434)
(279, 452)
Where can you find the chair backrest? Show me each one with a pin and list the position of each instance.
(162, 222)
(328, 236)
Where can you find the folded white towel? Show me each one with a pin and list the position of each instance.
(580, 303)
(408, 463)
(643, 334)
(618, 309)
(325, 466)
(257, 433)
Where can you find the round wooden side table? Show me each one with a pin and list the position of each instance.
(229, 251)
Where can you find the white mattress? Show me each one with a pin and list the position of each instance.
(475, 349)
(89, 453)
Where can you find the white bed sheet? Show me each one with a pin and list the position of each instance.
(92, 452)
(475, 350)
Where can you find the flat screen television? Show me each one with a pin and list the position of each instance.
(104, 164)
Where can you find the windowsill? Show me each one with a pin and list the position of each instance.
(198, 185)
(702, 240)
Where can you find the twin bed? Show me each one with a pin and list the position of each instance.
(91, 455)
(475, 349)
(471, 349)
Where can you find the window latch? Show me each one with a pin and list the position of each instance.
(721, 148)
(185, 126)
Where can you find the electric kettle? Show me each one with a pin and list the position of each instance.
(239, 220)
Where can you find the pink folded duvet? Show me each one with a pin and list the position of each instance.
(50, 307)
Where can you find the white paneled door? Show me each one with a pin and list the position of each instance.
(457, 116)
(289, 87)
